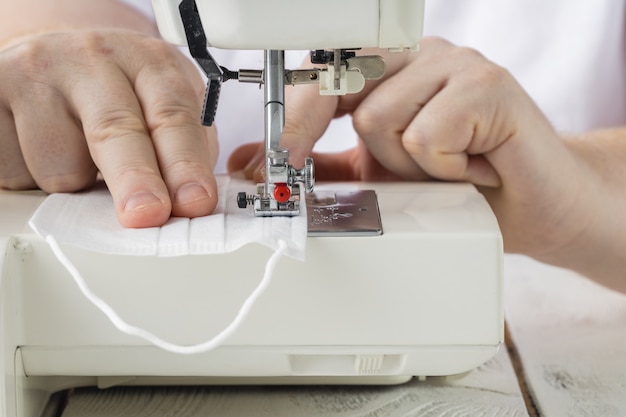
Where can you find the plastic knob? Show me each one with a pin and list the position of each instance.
(282, 192)
(242, 199)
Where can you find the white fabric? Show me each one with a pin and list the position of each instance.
(569, 55)
(87, 220)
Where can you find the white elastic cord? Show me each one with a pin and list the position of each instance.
(124, 327)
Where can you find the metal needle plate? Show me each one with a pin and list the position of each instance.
(343, 213)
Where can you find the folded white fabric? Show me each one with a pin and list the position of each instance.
(87, 220)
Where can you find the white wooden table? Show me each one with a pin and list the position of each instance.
(571, 337)
(566, 337)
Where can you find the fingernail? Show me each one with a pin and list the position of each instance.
(141, 201)
(189, 193)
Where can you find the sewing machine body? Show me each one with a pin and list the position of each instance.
(298, 24)
(422, 299)
(333, 32)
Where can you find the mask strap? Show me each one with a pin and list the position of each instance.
(131, 330)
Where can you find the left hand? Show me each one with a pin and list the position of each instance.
(126, 104)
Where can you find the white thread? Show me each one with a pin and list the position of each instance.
(131, 330)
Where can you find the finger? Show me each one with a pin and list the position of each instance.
(307, 116)
(171, 95)
(368, 168)
(255, 168)
(120, 146)
(246, 158)
(355, 164)
(389, 119)
(52, 143)
(250, 158)
(441, 147)
(383, 116)
(14, 174)
(339, 166)
(461, 124)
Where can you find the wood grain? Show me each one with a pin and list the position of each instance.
(571, 337)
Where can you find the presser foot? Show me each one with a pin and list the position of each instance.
(287, 205)
(280, 194)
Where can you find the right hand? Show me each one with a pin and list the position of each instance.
(448, 113)
(124, 104)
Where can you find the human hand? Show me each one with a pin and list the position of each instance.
(125, 104)
(307, 117)
(448, 113)
(402, 121)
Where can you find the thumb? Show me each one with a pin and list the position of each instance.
(335, 166)
(307, 116)
(249, 158)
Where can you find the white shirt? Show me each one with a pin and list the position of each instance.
(569, 56)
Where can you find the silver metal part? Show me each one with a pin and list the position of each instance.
(274, 86)
(268, 207)
(283, 191)
(303, 76)
(353, 213)
(372, 67)
(279, 195)
(337, 68)
(306, 175)
(277, 165)
(277, 156)
(250, 76)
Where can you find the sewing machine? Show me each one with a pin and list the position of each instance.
(414, 291)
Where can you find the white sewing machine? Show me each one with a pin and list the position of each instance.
(421, 299)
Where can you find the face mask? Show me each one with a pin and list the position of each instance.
(87, 220)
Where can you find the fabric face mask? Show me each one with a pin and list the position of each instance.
(87, 220)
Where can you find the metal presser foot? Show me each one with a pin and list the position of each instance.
(280, 194)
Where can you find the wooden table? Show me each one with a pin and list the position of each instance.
(565, 356)
(571, 337)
